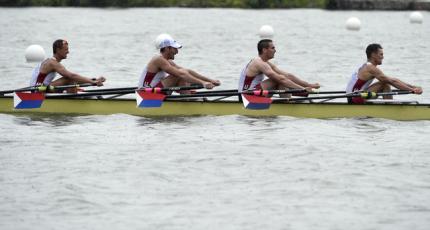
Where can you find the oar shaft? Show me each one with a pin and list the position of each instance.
(327, 92)
(129, 90)
(179, 88)
(215, 94)
(234, 92)
(135, 88)
(339, 92)
(89, 94)
(397, 92)
(229, 93)
(70, 86)
(122, 91)
(365, 95)
(44, 88)
(311, 98)
(111, 89)
(216, 91)
(17, 90)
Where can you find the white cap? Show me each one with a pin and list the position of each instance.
(166, 42)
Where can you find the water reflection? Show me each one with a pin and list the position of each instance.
(145, 121)
(44, 120)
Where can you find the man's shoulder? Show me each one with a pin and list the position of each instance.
(51, 63)
(158, 59)
(369, 71)
(369, 67)
(159, 62)
(257, 62)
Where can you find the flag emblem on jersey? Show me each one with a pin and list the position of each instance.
(256, 102)
(146, 99)
(26, 100)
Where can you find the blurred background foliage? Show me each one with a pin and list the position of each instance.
(172, 3)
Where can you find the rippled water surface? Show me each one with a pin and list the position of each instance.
(213, 172)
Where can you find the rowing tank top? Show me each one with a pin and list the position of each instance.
(356, 84)
(148, 79)
(38, 78)
(247, 82)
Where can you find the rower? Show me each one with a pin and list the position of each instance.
(45, 72)
(162, 72)
(362, 78)
(253, 75)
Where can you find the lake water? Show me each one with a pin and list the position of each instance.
(213, 172)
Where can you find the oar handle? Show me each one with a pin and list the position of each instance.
(370, 95)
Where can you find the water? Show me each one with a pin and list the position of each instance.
(209, 172)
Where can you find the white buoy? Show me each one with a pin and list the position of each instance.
(266, 31)
(160, 38)
(416, 17)
(35, 53)
(353, 23)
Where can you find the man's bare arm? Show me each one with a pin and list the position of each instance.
(293, 78)
(59, 68)
(267, 70)
(393, 81)
(182, 73)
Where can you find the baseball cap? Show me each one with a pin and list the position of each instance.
(166, 42)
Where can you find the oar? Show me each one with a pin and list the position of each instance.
(364, 95)
(110, 89)
(123, 92)
(147, 99)
(153, 97)
(209, 93)
(23, 99)
(30, 88)
(338, 92)
(44, 88)
(252, 99)
(214, 91)
(328, 92)
(256, 99)
(234, 92)
(127, 89)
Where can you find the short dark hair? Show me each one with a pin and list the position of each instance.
(263, 44)
(372, 48)
(58, 44)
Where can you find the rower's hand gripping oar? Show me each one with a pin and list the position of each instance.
(23, 99)
(154, 97)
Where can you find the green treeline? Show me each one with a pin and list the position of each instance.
(172, 3)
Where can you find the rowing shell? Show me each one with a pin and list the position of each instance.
(193, 108)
